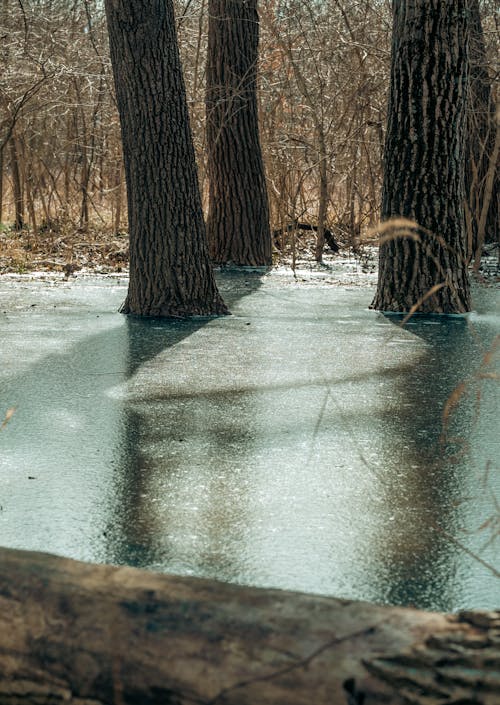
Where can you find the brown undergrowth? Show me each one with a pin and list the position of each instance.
(60, 247)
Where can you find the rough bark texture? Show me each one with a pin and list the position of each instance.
(238, 219)
(170, 273)
(424, 157)
(98, 635)
(481, 156)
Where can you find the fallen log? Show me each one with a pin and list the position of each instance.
(72, 632)
(279, 235)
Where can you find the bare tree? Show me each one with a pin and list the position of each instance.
(57, 107)
(425, 268)
(238, 214)
(170, 273)
(325, 73)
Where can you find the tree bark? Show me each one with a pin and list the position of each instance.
(170, 273)
(99, 635)
(423, 162)
(238, 218)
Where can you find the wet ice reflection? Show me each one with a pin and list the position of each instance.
(295, 444)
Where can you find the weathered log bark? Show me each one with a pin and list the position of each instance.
(85, 634)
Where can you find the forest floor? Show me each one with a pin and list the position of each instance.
(68, 252)
(65, 251)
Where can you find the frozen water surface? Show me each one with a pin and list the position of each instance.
(298, 443)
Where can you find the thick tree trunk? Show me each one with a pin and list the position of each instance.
(482, 193)
(424, 157)
(97, 635)
(238, 218)
(170, 273)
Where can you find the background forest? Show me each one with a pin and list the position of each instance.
(323, 77)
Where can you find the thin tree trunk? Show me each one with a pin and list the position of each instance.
(238, 219)
(84, 154)
(99, 635)
(1, 181)
(29, 181)
(353, 185)
(424, 157)
(490, 198)
(41, 192)
(84, 184)
(118, 202)
(323, 193)
(170, 273)
(17, 185)
(30, 202)
(199, 38)
(71, 135)
(482, 188)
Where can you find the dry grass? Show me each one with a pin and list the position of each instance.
(8, 415)
(63, 248)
